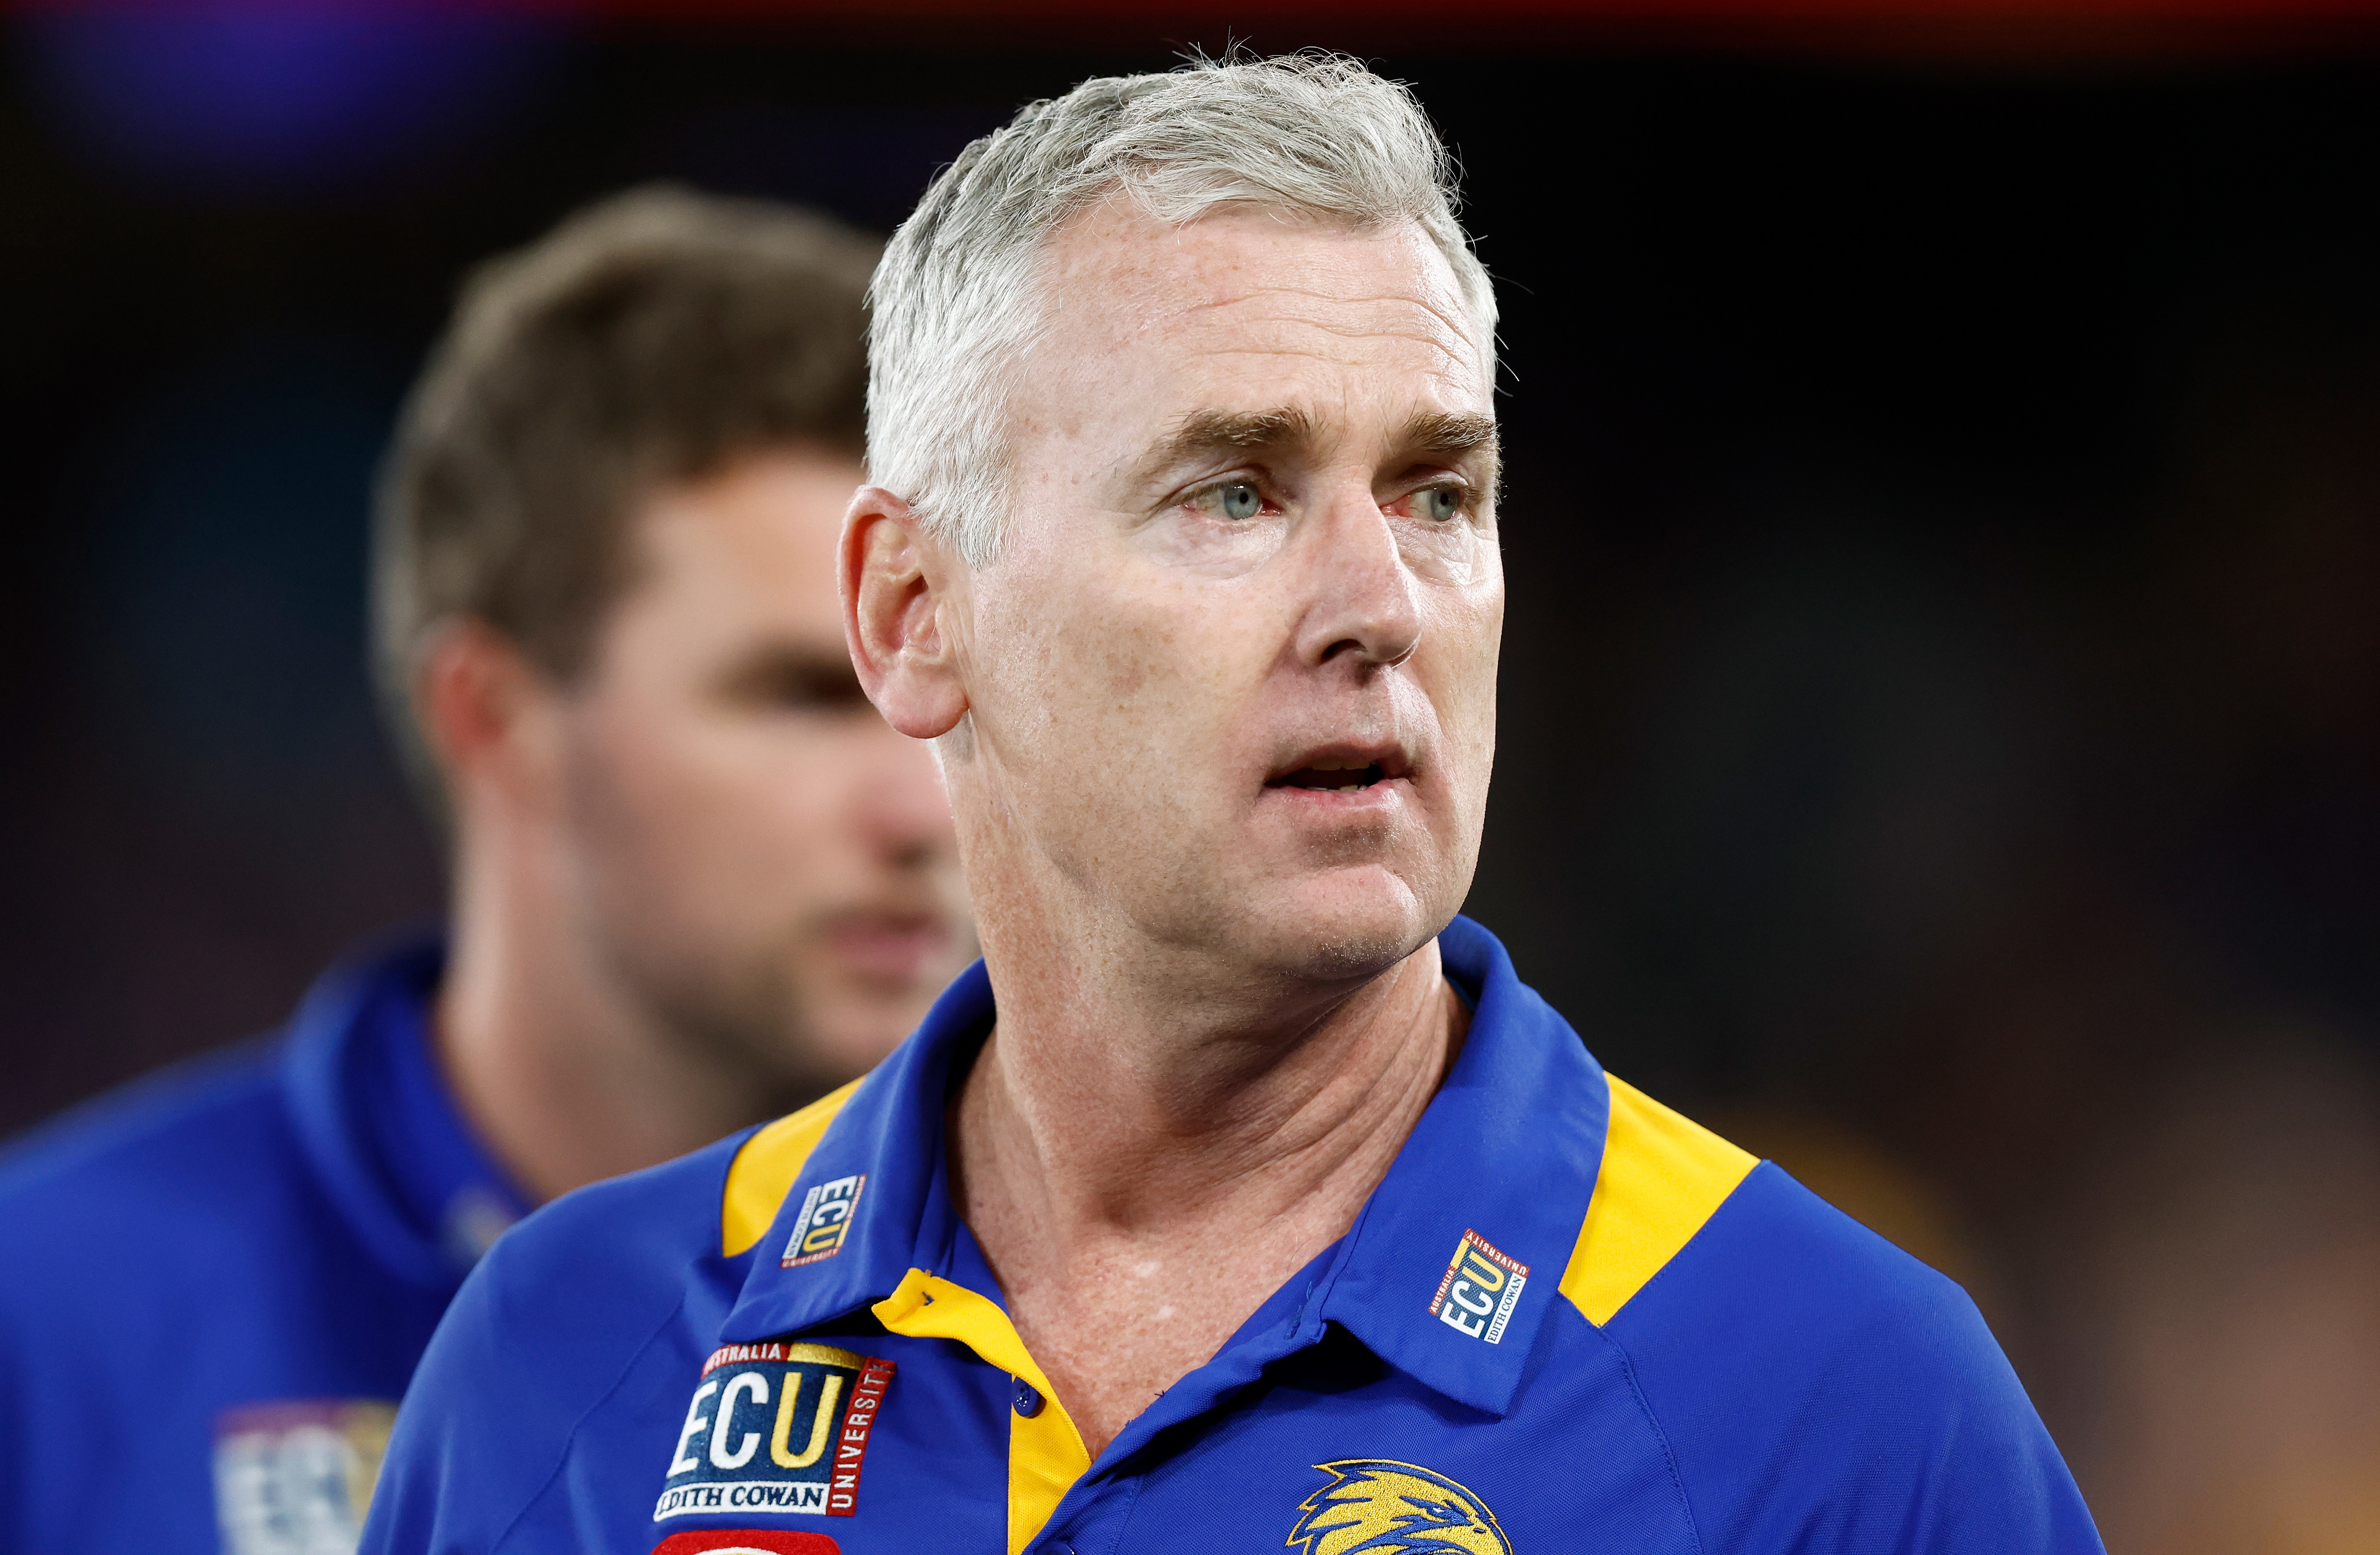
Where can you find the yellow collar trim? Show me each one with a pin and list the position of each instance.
(1046, 1455)
(763, 1170)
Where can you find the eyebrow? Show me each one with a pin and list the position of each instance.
(1206, 432)
(1211, 431)
(1450, 432)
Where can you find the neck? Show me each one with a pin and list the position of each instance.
(1138, 1116)
(1142, 1175)
(564, 1072)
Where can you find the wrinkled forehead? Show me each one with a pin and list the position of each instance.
(1251, 304)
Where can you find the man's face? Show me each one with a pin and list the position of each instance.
(1231, 680)
(760, 857)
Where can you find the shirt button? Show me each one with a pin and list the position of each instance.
(1028, 1399)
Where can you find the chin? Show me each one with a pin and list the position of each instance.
(1347, 927)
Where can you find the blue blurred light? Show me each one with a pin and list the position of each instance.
(258, 99)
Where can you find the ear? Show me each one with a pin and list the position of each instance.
(474, 697)
(902, 591)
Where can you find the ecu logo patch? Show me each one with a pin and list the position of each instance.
(1382, 1507)
(747, 1541)
(824, 1221)
(1479, 1289)
(775, 1428)
(296, 1474)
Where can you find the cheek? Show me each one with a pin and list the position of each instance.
(619, 805)
(702, 790)
(1081, 670)
(665, 760)
(1186, 677)
(1464, 691)
(1151, 675)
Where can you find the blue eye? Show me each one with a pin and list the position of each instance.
(1440, 502)
(1239, 499)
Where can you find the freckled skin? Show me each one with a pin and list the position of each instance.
(1121, 704)
(1221, 1009)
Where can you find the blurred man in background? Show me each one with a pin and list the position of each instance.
(697, 881)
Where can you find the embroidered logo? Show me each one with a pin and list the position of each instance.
(1383, 1507)
(776, 1428)
(824, 1221)
(1479, 1289)
(747, 1541)
(298, 1474)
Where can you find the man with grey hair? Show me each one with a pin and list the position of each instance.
(1241, 1198)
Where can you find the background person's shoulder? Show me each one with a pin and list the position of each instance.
(553, 1325)
(188, 1154)
(643, 1229)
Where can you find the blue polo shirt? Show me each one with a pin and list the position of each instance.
(1568, 1320)
(216, 1282)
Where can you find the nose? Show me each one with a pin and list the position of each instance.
(1363, 607)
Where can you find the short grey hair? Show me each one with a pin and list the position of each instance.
(957, 302)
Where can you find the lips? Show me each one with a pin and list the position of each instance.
(1342, 769)
(889, 947)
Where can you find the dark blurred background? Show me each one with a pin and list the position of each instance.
(1941, 738)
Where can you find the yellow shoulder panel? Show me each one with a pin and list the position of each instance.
(763, 1170)
(1662, 1176)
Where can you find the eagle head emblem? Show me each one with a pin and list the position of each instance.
(1382, 1507)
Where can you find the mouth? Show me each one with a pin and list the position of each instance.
(1343, 770)
(893, 948)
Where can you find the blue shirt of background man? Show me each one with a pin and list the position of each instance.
(217, 1280)
(1567, 1320)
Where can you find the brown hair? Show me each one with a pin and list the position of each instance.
(649, 339)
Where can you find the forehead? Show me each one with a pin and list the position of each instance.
(1145, 320)
(753, 540)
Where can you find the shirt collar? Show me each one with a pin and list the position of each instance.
(889, 1137)
(377, 1122)
(1506, 1151)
